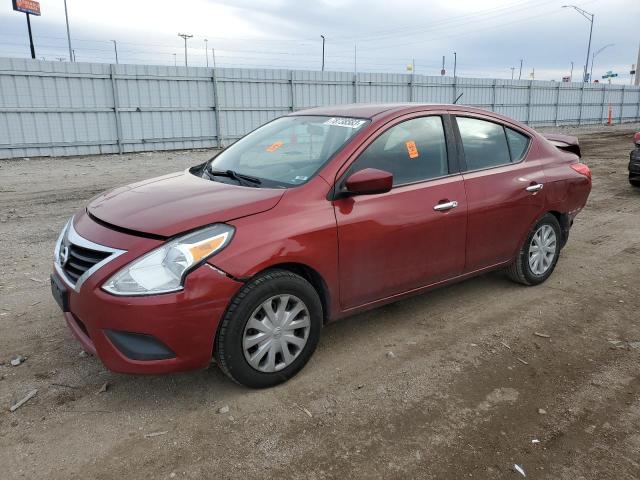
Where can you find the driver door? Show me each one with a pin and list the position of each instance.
(413, 235)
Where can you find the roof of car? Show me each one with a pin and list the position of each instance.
(370, 110)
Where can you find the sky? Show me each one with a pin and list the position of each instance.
(490, 37)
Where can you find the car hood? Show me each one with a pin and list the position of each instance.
(179, 202)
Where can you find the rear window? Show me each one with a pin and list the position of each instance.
(485, 143)
(518, 144)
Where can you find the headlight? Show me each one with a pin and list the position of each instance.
(163, 270)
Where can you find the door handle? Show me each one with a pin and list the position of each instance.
(443, 207)
(534, 188)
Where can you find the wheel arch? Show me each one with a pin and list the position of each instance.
(313, 277)
(565, 225)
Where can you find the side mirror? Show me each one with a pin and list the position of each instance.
(369, 181)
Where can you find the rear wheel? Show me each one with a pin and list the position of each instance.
(270, 329)
(538, 255)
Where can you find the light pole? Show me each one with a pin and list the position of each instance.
(588, 16)
(186, 36)
(512, 70)
(66, 16)
(323, 40)
(175, 60)
(520, 74)
(115, 47)
(206, 51)
(455, 63)
(593, 58)
(571, 74)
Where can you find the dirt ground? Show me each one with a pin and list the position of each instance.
(460, 397)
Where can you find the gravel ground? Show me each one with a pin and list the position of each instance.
(469, 388)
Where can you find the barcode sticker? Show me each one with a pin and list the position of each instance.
(345, 122)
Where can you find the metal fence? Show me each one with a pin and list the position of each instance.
(54, 108)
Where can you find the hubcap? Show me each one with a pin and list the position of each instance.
(542, 250)
(276, 333)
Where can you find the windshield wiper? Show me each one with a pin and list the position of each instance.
(242, 179)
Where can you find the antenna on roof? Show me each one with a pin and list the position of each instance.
(456, 100)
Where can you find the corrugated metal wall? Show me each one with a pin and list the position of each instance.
(52, 108)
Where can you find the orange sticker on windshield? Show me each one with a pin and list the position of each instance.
(274, 146)
(412, 150)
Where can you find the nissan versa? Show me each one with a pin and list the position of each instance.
(311, 217)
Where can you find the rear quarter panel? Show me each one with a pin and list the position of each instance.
(566, 190)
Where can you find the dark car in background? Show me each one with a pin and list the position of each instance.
(634, 162)
(312, 217)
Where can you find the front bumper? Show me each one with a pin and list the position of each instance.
(148, 334)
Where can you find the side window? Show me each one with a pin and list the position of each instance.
(484, 143)
(412, 151)
(518, 144)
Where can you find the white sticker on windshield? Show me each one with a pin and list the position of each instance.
(345, 122)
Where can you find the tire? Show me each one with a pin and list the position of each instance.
(635, 183)
(521, 270)
(268, 291)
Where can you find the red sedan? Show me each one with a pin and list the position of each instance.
(311, 217)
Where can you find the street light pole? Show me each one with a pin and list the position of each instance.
(571, 74)
(590, 17)
(323, 40)
(593, 58)
(115, 47)
(455, 63)
(206, 51)
(186, 36)
(520, 74)
(66, 16)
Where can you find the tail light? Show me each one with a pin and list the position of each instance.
(582, 169)
(636, 138)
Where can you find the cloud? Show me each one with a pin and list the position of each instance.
(489, 37)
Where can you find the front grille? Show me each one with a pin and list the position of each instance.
(80, 260)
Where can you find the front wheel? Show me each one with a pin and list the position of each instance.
(270, 330)
(538, 255)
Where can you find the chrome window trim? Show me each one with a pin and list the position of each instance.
(69, 233)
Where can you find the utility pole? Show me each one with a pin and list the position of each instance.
(323, 40)
(73, 55)
(355, 58)
(442, 72)
(206, 51)
(512, 70)
(66, 16)
(186, 36)
(115, 47)
(213, 55)
(455, 63)
(520, 74)
(590, 17)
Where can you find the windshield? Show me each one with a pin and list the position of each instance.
(287, 151)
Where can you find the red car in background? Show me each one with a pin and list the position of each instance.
(314, 216)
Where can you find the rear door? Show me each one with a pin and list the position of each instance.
(504, 189)
(393, 242)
